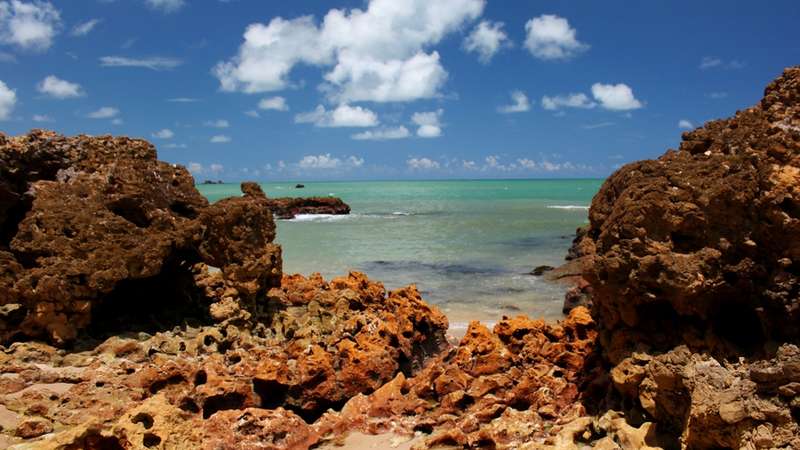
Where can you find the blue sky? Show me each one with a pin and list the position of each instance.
(389, 89)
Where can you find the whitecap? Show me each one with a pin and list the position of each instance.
(319, 217)
(401, 213)
(570, 207)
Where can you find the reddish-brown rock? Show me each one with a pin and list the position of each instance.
(695, 274)
(524, 368)
(98, 226)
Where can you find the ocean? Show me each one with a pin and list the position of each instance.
(468, 245)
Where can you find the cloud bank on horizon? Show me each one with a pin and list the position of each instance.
(384, 88)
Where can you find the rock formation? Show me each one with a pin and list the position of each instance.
(97, 226)
(289, 207)
(696, 264)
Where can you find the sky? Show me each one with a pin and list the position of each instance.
(389, 89)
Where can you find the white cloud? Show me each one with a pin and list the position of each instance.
(220, 123)
(195, 168)
(57, 88)
(252, 113)
(382, 135)
(173, 145)
(183, 100)
(216, 168)
(520, 103)
(166, 6)
(106, 112)
(579, 100)
(526, 163)
(273, 103)
(42, 118)
(82, 29)
(422, 164)
(486, 39)
(153, 63)
(342, 116)
(326, 161)
(166, 133)
(616, 97)
(550, 37)
(712, 62)
(685, 124)
(117, 121)
(593, 126)
(28, 25)
(429, 123)
(378, 54)
(469, 165)
(8, 98)
(220, 139)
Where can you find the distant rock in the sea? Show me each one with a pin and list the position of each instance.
(299, 186)
(289, 207)
(213, 182)
(540, 270)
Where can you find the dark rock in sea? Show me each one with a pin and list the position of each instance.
(578, 295)
(213, 182)
(540, 270)
(289, 207)
(299, 186)
(696, 279)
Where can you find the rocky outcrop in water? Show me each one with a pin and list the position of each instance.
(289, 207)
(98, 227)
(696, 279)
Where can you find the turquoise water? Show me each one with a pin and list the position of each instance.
(468, 245)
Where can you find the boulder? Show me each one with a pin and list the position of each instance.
(289, 207)
(97, 226)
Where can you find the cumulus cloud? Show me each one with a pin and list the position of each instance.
(567, 101)
(519, 103)
(550, 37)
(383, 134)
(422, 164)
(152, 63)
(616, 97)
(82, 29)
(220, 139)
(273, 103)
(42, 118)
(429, 123)
(377, 54)
(685, 124)
(173, 145)
(220, 123)
(252, 113)
(28, 25)
(326, 161)
(166, 133)
(342, 116)
(486, 39)
(8, 99)
(165, 6)
(106, 112)
(55, 87)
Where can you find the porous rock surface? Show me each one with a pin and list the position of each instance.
(316, 345)
(695, 278)
(97, 226)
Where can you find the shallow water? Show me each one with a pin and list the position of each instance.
(468, 245)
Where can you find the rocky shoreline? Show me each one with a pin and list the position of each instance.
(290, 207)
(133, 314)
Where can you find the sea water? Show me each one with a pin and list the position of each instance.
(468, 245)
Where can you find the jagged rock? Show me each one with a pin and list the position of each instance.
(495, 389)
(316, 345)
(289, 207)
(97, 226)
(540, 270)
